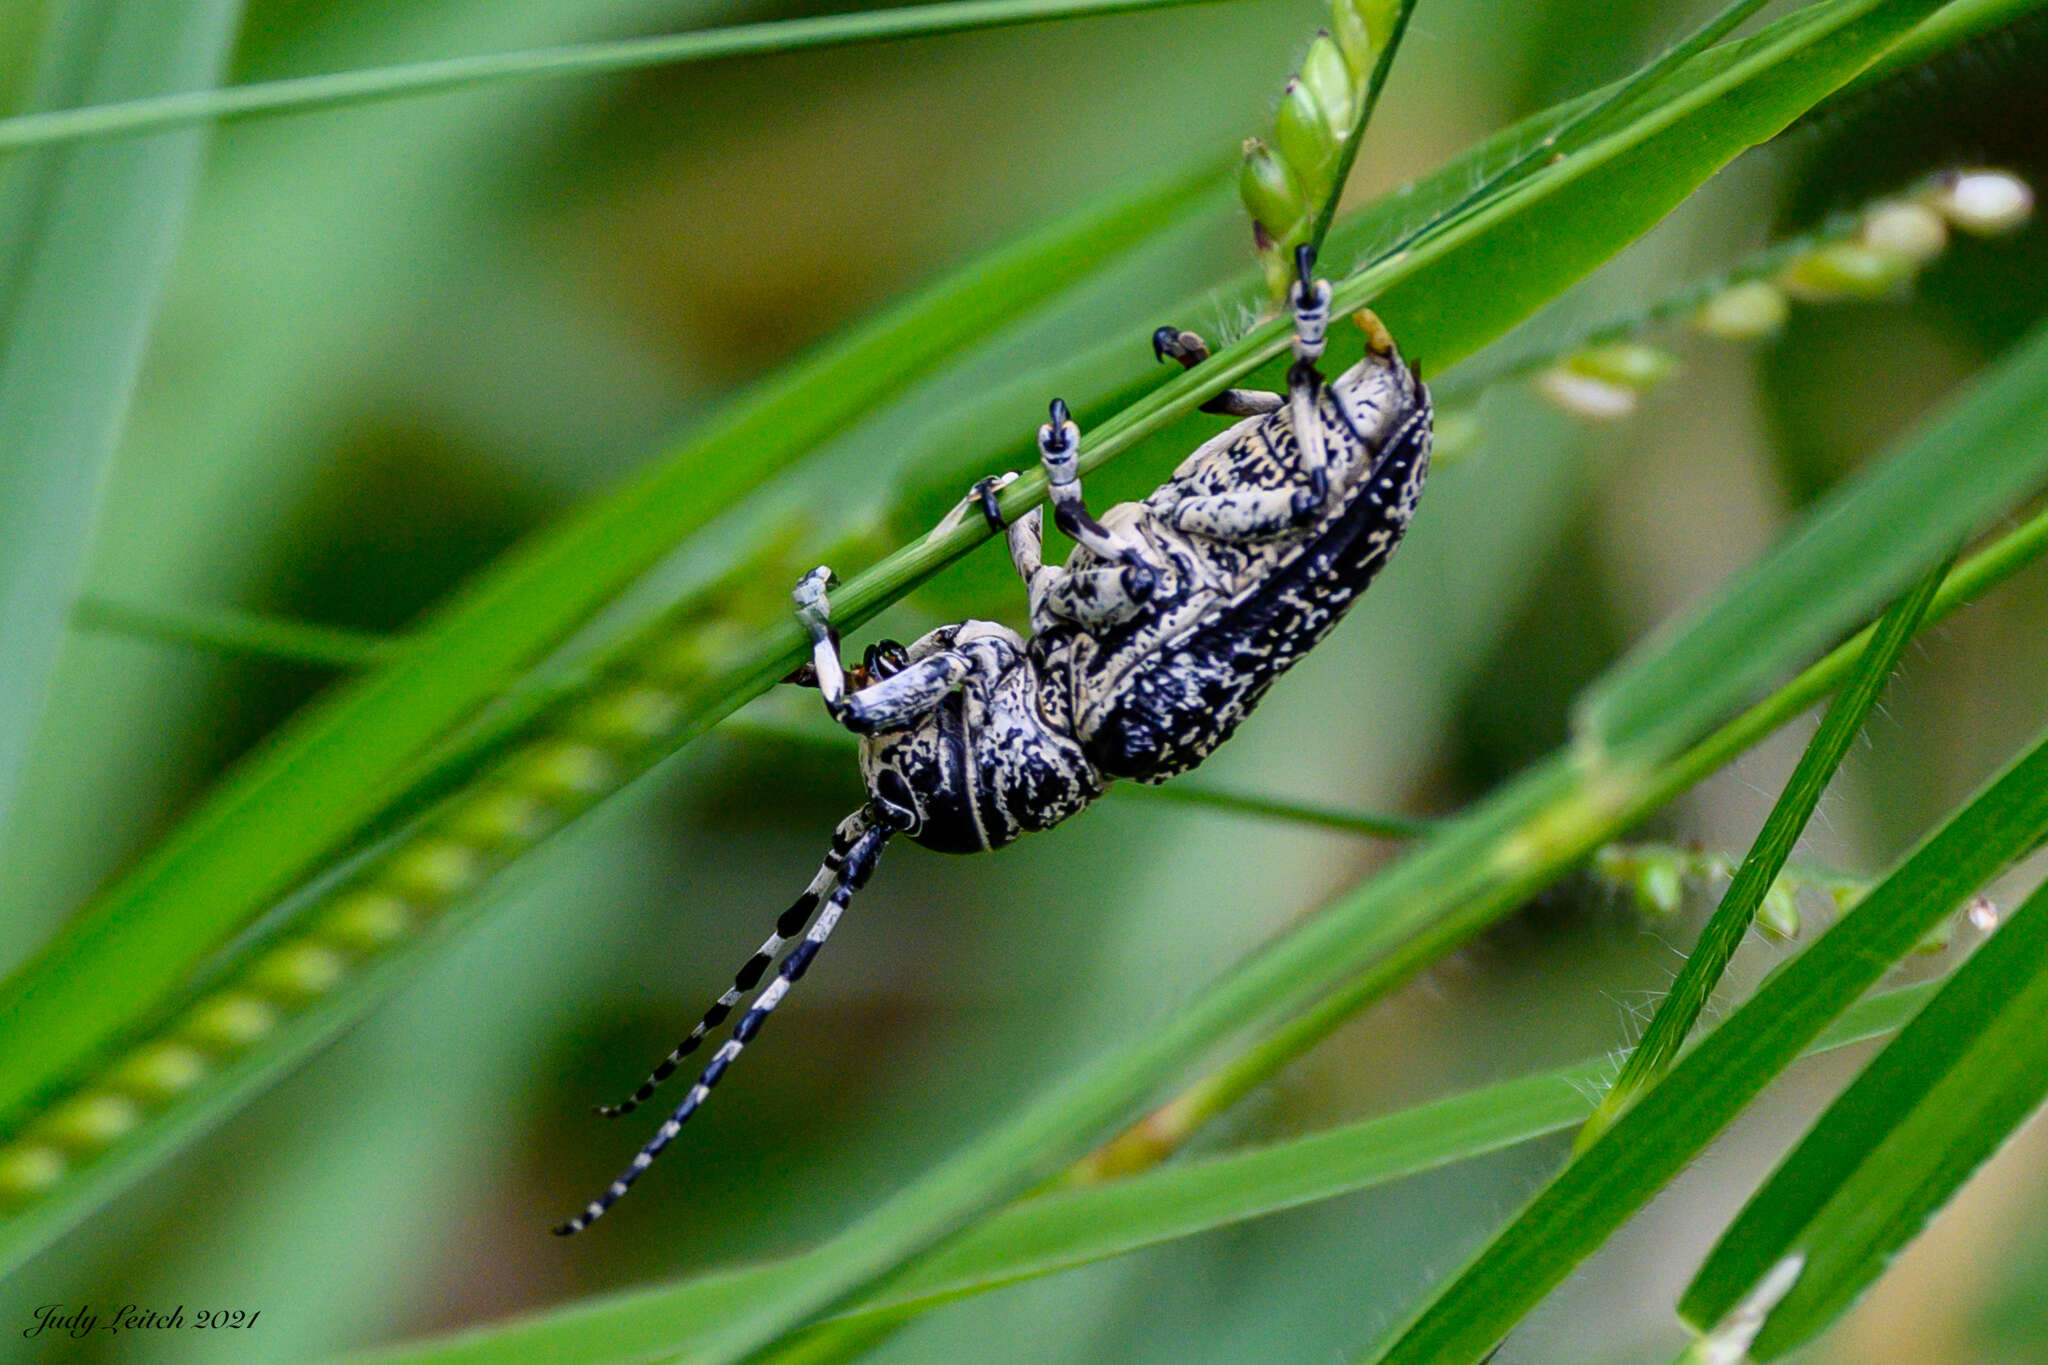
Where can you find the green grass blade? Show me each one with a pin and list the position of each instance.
(86, 239)
(1376, 824)
(319, 780)
(1594, 114)
(1055, 1232)
(340, 89)
(1653, 1141)
(1896, 1144)
(1795, 805)
(225, 631)
(1985, 451)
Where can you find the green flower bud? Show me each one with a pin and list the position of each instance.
(1630, 364)
(1303, 134)
(501, 817)
(1845, 270)
(563, 770)
(365, 922)
(1754, 310)
(1597, 400)
(298, 972)
(1901, 228)
(89, 1122)
(1379, 18)
(28, 1170)
(1660, 887)
(432, 871)
(228, 1022)
(1778, 913)
(1348, 26)
(1271, 193)
(1336, 88)
(158, 1072)
(630, 715)
(1846, 894)
(1938, 938)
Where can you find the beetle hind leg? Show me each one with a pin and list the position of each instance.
(1311, 299)
(1171, 343)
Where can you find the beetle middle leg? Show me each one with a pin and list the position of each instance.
(1059, 448)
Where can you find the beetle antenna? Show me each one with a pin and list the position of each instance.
(856, 847)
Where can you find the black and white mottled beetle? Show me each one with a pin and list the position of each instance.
(1168, 622)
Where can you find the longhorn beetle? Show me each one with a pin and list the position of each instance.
(1166, 625)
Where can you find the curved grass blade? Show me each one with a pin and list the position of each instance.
(341, 89)
(1680, 1009)
(86, 240)
(1050, 1233)
(331, 769)
(1654, 1140)
(1591, 116)
(1895, 1145)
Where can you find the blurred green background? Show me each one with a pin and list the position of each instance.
(398, 337)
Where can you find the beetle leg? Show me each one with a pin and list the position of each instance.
(1026, 538)
(1247, 515)
(1059, 446)
(1305, 382)
(814, 612)
(896, 700)
(1190, 350)
(903, 698)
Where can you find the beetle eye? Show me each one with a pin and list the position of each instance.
(885, 657)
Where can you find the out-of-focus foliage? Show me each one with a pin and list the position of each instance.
(396, 338)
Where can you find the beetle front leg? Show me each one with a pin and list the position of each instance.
(814, 613)
(899, 699)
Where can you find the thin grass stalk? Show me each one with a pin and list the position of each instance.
(1658, 1049)
(223, 630)
(343, 89)
(1347, 157)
